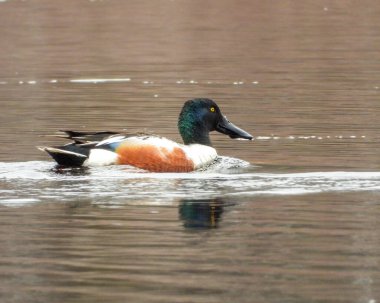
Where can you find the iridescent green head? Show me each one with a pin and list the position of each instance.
(201, 116)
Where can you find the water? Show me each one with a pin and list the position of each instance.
(294, 220)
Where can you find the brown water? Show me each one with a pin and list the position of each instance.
(301, 224)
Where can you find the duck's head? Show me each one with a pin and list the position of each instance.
(201, 116)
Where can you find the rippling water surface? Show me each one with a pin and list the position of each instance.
(292, 216)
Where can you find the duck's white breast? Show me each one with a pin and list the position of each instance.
(201, 155)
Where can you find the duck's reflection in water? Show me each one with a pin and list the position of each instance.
(202, 213)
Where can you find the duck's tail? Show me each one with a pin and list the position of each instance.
(67, 155)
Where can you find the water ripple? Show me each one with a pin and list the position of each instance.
(31, 182)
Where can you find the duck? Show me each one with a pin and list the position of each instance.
(197, 119)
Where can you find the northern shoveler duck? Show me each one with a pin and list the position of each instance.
(197, 119)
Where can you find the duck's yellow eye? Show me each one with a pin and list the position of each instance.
(212, 109)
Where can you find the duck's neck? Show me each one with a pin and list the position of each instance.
(192, 130)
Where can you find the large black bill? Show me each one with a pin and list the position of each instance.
(226, 127)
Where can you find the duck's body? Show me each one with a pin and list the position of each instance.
(152, 153)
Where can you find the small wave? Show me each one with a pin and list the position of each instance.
(97, 80)
(18, 202)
